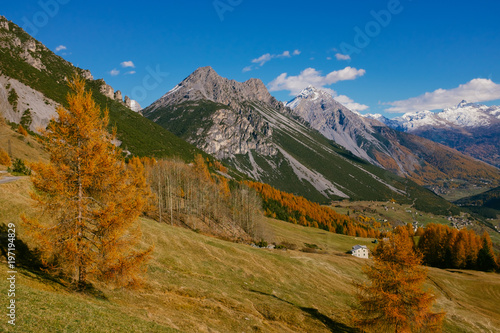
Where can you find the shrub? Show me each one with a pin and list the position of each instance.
(262, 243)
(12, 98)
(4, 158)
(19, 167)
(22, 131)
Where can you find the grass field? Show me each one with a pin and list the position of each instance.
(394, 213)
(198, 283)
(18, 146)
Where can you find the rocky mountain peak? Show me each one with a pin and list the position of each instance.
(311, 93)
(205, 84)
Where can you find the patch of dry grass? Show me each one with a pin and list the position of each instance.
(18, 146)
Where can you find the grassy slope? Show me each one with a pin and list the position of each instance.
(25, 148)
(197, 283)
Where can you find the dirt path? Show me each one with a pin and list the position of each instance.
(8, 179)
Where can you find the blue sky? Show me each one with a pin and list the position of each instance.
(383, 57)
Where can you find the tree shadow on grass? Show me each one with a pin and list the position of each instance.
(30, 260)
(333, 326)
(24, 256)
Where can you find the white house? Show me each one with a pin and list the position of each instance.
(360, 251)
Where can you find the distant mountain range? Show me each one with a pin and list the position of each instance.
(472, 129)
(419, 159)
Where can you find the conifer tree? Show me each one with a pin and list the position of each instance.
(92, 197)
(486, 256)
(393, 300)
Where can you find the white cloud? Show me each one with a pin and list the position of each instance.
(126, 64)
(130, 73)
(350, 104)
(476, 90)
(285, 54)
(311, 76)
(263, 59)
(268, 56)
(61, 47)
(114, 72)
(341, 56)
(328, 58)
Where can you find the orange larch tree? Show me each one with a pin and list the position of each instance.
(91, 196)
(393, 300)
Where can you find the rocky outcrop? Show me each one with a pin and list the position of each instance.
(132, 104)
(233, 133)
(118, 96)
(106, 89)
(87, 75)
(33, 60)
(4, 24)
(109, 92)
(30, 45)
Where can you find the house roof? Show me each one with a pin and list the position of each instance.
(358, 247)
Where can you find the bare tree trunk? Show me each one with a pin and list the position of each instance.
(80, 260)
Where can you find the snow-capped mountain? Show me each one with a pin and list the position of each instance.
(468, 115)
(370, 139)
(335, 121)
(471, 128)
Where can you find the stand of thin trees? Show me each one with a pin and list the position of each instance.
(188, 194)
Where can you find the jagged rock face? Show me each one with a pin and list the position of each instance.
(4, 24)
(106, 89)
(33, 60)
(206, 84)
(335, 121)
(233, 134)
(235, 129)
(87, 75)
(30, 45)
(132, 104)
(26, 50)
(118, 96)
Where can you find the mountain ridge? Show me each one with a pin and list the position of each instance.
(425, 162)
(471, 128)
(30, 94)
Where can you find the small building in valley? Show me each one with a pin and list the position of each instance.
(360, 251)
